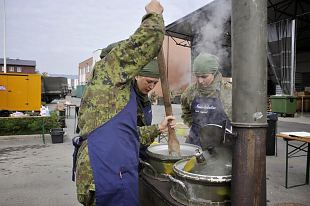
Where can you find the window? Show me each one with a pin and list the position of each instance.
(19, 69)
(11, 69)
(87, 69)
(2, 68)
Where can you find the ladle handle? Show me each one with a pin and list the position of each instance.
(173, 142)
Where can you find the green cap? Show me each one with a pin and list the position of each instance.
(205, 63)
(150, 70)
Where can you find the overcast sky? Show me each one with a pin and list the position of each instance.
(58, 34)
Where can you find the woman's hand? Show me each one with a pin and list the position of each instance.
(169, 121)
(154, 7)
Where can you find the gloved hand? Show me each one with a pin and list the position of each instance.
(168, 121)
(154, 7)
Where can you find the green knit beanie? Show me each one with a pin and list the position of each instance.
(150, 70)
(205, 63)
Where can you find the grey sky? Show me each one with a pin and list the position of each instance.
(59, 34)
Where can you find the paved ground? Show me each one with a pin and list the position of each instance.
(33, 173)
(275, 168)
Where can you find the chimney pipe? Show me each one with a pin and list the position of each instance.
(249, 71)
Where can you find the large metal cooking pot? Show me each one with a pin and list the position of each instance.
(206, 184)
(160, 163)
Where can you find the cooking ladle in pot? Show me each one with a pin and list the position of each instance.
(173, 143)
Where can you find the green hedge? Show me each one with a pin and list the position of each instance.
(28, 125)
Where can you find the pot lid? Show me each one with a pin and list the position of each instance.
(160, 151)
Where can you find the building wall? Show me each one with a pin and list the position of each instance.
(18, 69)
(178, 64)
(29, 70)
(96, 56)
(302, 76)
(72, 83)
(76, 82)
(303, 62)
(85, 69)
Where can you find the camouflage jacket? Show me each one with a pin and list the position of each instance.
(109, 90)
(219, 88)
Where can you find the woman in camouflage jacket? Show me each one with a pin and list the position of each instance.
(107, 162)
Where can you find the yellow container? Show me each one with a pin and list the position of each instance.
(181, 129)
(20, 92)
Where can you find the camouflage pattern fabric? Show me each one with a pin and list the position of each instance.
(84, 177)
(226, 98)
(218, 88)
(108, 92)
(147, 134)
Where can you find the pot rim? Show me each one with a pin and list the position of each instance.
(162, 157)
(199, 177)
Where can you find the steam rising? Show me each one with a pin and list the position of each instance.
(213, 32)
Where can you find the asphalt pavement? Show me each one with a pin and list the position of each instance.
(33, 173)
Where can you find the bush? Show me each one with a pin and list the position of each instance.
(28, 125)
